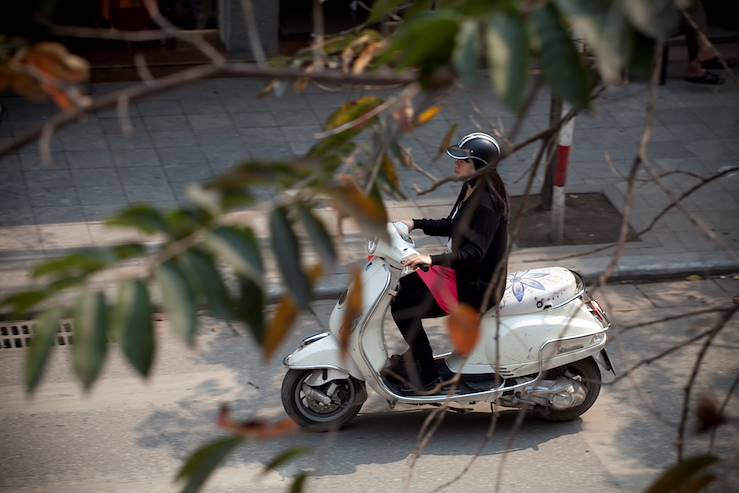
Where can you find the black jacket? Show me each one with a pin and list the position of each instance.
(479, 235)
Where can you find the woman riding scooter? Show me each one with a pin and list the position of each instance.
(477, 228)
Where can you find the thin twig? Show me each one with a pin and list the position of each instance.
(545, 134)
(142, 68)
(364, 118)
(673, 317)
(693, 374)
(193, 74)
(483, 444)
(638, 161)
(659, 356)
(197, 41)
(524, 110)
(514, 433)
(673, 203)
(722, 408)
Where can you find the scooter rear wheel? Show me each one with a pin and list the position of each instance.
(313, 415)
(590, 377)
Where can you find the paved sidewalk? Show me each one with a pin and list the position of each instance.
(196, 132)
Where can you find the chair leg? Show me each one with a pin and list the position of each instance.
(663, 68)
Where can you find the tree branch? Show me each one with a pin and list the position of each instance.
(693, 374)
(196, 73)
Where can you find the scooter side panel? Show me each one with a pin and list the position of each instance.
(521, 337)
(324, 353)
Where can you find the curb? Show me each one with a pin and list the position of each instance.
(666, 270)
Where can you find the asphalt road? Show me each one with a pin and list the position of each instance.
(128, 435)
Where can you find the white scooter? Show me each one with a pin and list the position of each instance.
(551, 335)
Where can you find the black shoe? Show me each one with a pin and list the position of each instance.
(395, 371)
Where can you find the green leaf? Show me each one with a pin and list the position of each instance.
(206, 280)
(655, 18)
(90, 332)
(81, 263)
(298, 482)
(438, 31)
(184, 222)
(383, 8)
(204, 461)
(603, 26)
(133, 324)
(338, 144)
(251, 307)
(125, 251)
(467, 51)
(143, 218)
(673, 478)
(178, 300)
(641, 56)
(251, 173)
(238, 248)
(283, 458)
(561, 63)
(44, 335)
(318, 234)
(287, 254)
(508, 55)
(87, 261)
(22, 302)
(351, 111)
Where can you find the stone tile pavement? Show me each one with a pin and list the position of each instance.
(196, 132)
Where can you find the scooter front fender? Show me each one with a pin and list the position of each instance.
(607, 371)
(321, 351)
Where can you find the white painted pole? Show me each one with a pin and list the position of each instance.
(560, 176)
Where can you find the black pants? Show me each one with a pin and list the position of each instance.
(413, 303)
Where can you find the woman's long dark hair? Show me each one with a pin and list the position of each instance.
(500, 194)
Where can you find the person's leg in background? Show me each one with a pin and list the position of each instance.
(700, 55)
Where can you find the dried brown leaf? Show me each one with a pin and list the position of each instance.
(428, 115)
(708, 414)
(463, 326)
(351, 312)
(364, 58)
(446, 141)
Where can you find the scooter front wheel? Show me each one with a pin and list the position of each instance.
(327, 407)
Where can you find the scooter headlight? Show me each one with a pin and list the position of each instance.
(372, 246)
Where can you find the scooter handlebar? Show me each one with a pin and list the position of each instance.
(424, 267)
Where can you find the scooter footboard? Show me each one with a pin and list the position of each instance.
(321, 351)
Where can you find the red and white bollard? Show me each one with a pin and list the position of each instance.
(563, 159)
(560, 176)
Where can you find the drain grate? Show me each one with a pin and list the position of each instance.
(17, 334)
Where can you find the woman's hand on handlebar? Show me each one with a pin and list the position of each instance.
(407, 222)
(418, 261)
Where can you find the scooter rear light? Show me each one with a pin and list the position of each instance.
(599, 313)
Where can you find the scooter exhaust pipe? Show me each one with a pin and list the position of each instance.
(316, 395)
(562, 393)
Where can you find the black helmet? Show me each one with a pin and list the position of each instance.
(481, 148)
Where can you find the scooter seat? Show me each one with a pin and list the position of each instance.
(534, 290)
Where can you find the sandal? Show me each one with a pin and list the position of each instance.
(715, 63)
(706, 78)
